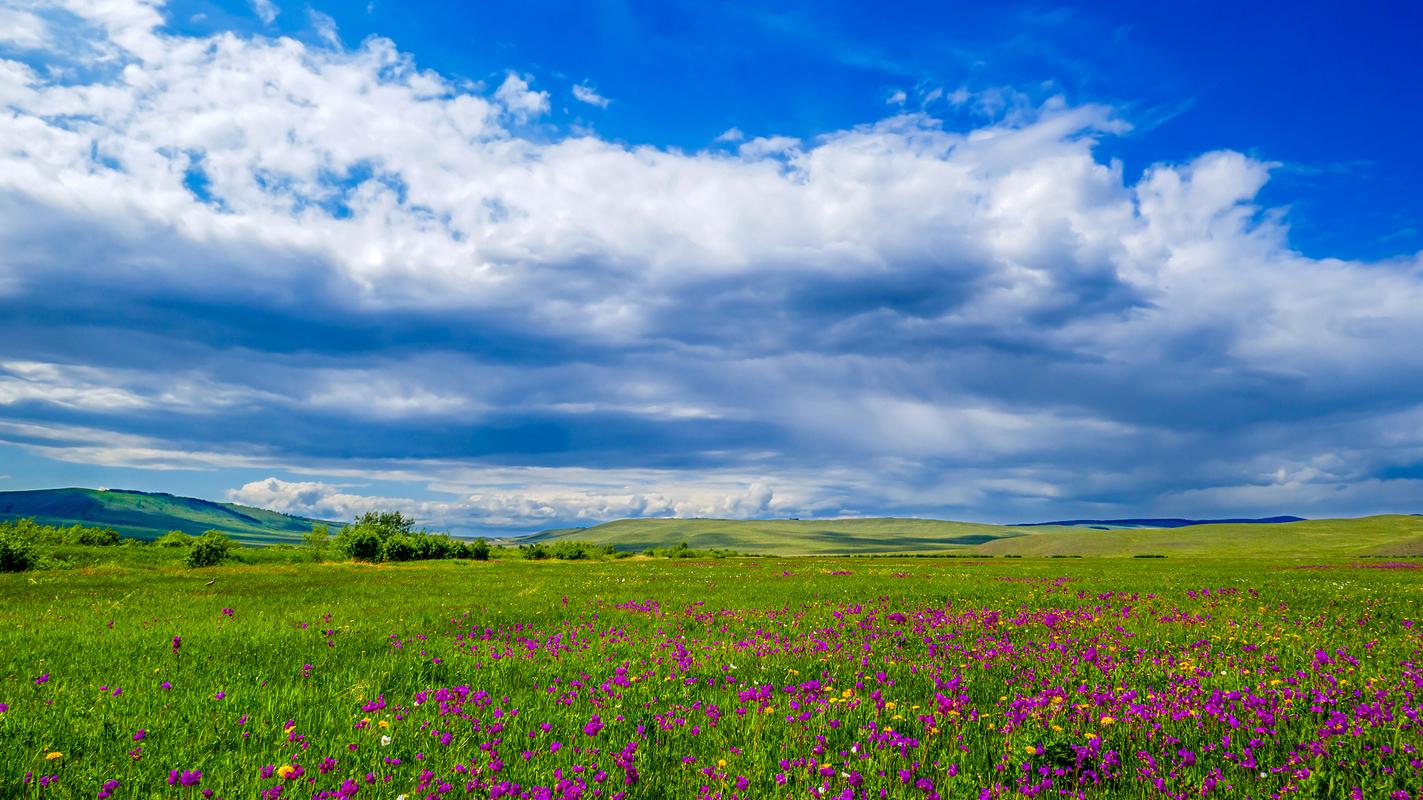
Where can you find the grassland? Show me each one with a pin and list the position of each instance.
(749, 678)
(147, 516)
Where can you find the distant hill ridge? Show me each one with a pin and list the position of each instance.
(148, 515)
(1282, 537)
(1157, 522)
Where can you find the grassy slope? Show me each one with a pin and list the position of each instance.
(1339, 538)
(148, 516)
(795, 537)
(1324, 538)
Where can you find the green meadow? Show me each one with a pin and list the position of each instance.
(736, 677)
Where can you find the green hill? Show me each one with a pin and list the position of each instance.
(1388, 535)
(146, 515)
(793, 537)
(1337, 538)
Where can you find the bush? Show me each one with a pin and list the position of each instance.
(401, 547)
(209, 550)
(362, 544)
(175, 539)
(16, 554)
(478, 550)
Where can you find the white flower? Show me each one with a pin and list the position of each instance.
(385, 742)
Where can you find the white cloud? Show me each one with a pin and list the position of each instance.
(530, 506)
(732, 134)
(266, 10)
(986, 304)
(519, 100)
(325, 27)
(587, 94)
(896, 98)
(22, 29)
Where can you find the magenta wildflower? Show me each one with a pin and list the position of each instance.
(184, 777)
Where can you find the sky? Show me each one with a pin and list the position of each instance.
(508, 267)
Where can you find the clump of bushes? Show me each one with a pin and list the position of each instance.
(568, 550)
(391, 536)
(50, 535)
(683, 550)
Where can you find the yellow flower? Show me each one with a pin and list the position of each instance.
(721, 762)
(383, 724)
(1030, 750)
(52, 756)
(1108, 720)
(285, 771)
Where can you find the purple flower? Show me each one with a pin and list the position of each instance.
(41, 680)
(109, 787)
(139, 735)
(594, 725)
(165, 685)
(177, 643)
(184, 778)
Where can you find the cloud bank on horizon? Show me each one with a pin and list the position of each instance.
(305, 267)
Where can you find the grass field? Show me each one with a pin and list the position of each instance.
(812, 677)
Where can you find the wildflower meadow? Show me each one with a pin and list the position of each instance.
(734, 678)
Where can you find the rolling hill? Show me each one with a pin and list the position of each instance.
(1387, 535)
(145, 515)
(790, 537)
(1393, 535)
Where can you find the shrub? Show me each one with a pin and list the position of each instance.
(209, 550)
(16, 554)
(175, 539)
(360, 543)
(478, 550)
(401, 547)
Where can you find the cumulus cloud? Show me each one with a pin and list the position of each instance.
(563, 503)
(20, 28)
(230, 251)
(519, 100)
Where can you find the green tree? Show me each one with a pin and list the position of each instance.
(317, 540)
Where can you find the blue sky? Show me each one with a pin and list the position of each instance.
(1007, 263)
